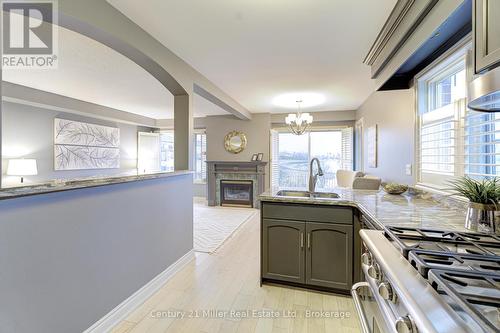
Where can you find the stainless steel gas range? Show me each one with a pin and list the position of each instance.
(420, 280)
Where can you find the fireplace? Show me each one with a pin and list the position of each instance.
(235, 171)
(237, 193)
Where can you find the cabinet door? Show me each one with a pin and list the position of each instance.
(329, 255)
(486, 34)
(283, 250)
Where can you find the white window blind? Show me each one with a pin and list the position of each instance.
(347, 148)
(200, 157)
(481, 144)
(439, 130)
(275, 170)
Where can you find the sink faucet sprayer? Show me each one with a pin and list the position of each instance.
(314, 178)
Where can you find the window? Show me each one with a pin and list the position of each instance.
(482, 144)
(200, 153)
(451, 139)
(439, 122)
(200, 157)
(148, 152)
(291, 155)
(167, 151)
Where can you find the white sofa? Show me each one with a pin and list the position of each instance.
(366, 183)
(357, 180)
(345, 178)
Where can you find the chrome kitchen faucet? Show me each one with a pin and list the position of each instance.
(314, 178)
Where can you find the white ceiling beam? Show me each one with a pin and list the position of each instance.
(241, 114)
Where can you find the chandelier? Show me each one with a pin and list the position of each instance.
(298, 122)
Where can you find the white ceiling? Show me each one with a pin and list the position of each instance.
(256, 50)
(92, 72)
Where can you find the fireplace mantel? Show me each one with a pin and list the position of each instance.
(217, 170)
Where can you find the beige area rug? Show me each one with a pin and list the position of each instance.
(214, 225)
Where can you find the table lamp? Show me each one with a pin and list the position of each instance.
(22, 167)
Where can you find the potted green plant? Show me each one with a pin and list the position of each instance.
(484, 197)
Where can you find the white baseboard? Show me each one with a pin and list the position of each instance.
(125, 308)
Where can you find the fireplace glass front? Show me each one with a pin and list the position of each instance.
(237, 193)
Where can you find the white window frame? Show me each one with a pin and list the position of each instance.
(445, 65)
(282, 129)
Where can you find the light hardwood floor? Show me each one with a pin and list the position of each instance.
(229, 280)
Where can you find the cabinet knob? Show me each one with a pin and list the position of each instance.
(374, 271)
(385, 291)
(366, 258)
(404, 325)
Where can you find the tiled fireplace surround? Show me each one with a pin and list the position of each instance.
(223, 170)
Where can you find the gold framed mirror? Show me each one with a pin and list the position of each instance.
(235, 142)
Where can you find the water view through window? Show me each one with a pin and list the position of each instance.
(295, 152)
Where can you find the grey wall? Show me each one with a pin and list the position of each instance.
(257, 132)
(394, 113)
(27, 131)
(68, 258)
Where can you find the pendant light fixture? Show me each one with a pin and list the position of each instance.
(299, 122)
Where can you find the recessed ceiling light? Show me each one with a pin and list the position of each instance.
(289, 100)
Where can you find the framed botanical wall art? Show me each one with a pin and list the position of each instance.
(371, 145)
(79, 146)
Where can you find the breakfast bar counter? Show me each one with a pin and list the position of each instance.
(68, 185)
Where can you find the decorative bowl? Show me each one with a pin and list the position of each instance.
(394, 188)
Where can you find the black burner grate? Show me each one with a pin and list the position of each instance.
(463, 267)
(423, 261)
(478, 293)
(439, 241)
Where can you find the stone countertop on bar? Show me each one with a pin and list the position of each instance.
(69, 185)
(416, 209)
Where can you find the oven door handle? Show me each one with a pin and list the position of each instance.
(359, 308)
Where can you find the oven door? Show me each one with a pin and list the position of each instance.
(369, 313)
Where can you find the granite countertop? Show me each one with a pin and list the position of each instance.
(68, 185)
(416, 209)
